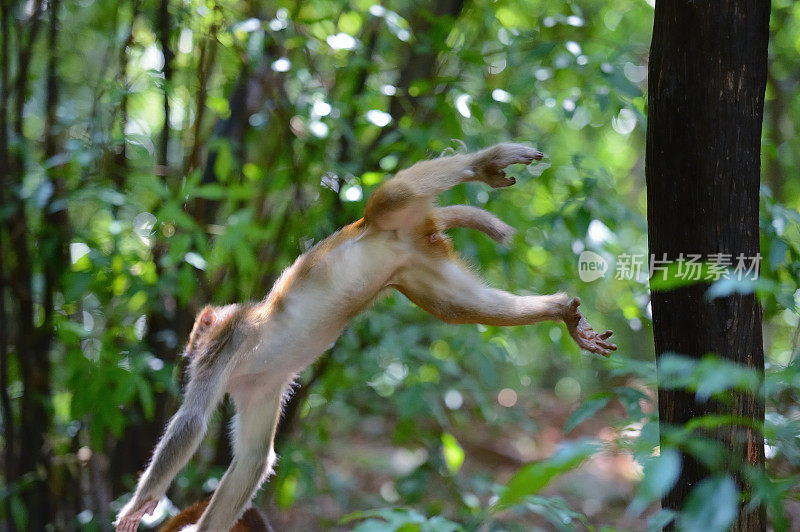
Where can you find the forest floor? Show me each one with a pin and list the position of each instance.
(601, 488)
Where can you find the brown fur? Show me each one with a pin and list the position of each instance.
(390, 196)
(208, 347)
(432, 239)
(252, 520)
(302, 268)
(198, 333)
(474, 218)
(316, 254)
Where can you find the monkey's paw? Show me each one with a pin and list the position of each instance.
(583, 333)
(130, 517)
(492, 161)
(501, 232)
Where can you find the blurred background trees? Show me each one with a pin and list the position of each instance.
(157, 155)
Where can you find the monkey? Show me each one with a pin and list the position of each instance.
(253, 351)
(202, 323)
(252, 520)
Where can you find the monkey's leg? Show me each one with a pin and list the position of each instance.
(429, 178)
(181, 438)
(403, 199)
(474, 218)
(453, 294)
(257, 418)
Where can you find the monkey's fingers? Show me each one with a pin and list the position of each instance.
(601, 348)
(492, 161)
(499, 180)
(130, 522)
(149, 507)
(127, 524)
(608, 347)
(601, 340)
(586, 337)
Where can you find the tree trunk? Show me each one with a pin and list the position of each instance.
(9, 431)
(163, 23)
(707, 76)
(34, 422)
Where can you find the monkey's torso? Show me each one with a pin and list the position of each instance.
(314, 299)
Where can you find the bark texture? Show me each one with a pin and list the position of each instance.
(707, 76)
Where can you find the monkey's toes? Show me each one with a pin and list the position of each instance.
(501, 232)
(505, 233)
(518, 154)
(500, 181)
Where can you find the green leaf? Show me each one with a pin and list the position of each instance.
(531, 478)
(659, 520)
(287, 490)
(19, 512)
(453, 453)
(712, 506)
(212, 191)
(631, 399)
(145, 397)
(660, 473)
(399, 520)
(727, 287)
(223, 165)
(557, 512)
(777, 253)
(586, 410)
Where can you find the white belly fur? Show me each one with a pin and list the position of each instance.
(315, 310)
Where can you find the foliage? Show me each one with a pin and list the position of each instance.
(194, 164)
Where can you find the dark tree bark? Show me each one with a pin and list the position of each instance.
(120, 161)
(52, 247)
(9, 453)
(34, 365)
(163, 36)
(708, 71)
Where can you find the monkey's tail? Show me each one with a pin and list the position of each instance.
(217, 340)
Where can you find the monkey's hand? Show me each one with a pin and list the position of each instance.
(583, 334)
(129, 516)
(489, 163)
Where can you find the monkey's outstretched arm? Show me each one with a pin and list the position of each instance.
(453, 294)
(474, 218)
(257, 419)
(180, 440)
(404, 199)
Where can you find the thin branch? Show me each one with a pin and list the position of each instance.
(166, 50)
(23, 64)
(10, 456)
(120, 161)
(208, 53)
(9, 430)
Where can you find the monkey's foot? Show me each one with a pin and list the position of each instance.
(130, 521)
(583, 333)
(490, 163)
(501, 232)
